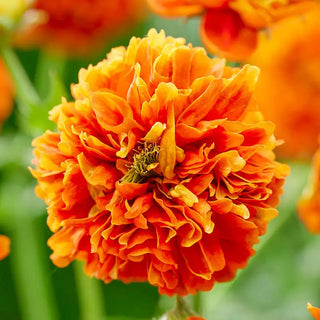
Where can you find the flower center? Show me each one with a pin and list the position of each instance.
(144, 162)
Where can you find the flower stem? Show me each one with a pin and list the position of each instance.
(181, 311)
(32, 277)
(26, 94)
(197, 303)
(48, 65)
(89, 294)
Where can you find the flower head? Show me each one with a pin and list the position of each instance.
(230, 27)
(4, 246)
(162, 169)
(78, 27)
(315, 312)
(6, 93)
(309, 204)
(288, 91)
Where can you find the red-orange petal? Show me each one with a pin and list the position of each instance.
(4, 246)
(6, 91)
(223, 31)
(315, 312)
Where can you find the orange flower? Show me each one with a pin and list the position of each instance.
(161, 170)
(315, 312)
(309, 204)
(288, 91)
(195, 318)
(6, 93)
(4, 246)
(230, 27)
(79, 27)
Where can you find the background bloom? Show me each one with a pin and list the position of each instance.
(4, 246)
(288, 90)
(78, 27)
(162, 170)
(13, 9)
(309, 204)
(230, 28)
(6, 93)
(315, 312)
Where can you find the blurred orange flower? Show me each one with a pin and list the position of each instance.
(195, 318)
(288, 90)
(4, 246)
(6, 92)
(315, 312)
(79, 27)
(309, 204)
(162, 170)
(230, 27)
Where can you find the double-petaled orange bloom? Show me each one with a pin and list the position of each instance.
(288, 90)
(6, 93)
(230, 27)
(315, 312)
(78, 27)
(162, 169)
(4, 246)
(309, 204)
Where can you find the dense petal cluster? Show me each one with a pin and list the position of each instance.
(79, 27)
(288, 91)
(6, 93)
(162, 169)
(315, 312)
(309, 204)
(230, 27)
(4, 246)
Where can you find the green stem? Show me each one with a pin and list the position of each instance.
(181, 311)
(26, 94)
(32, 276)
(89, 294)
(46, 67)
(197, 303)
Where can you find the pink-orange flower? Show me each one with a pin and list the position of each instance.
(230, 27)
(79, 27)
(288, 90)
(6, 93)
(315, 312)
(309, 204)
(162, 169)
(4, 246)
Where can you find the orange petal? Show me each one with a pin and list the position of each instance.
(113, 113)
(104, 174)
(210, 90)
(164, 8)
(234, 99)
(315, 312)
(167, 155)
(222, 31)
(4, 246)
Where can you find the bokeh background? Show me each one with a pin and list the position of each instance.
(278, 282)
